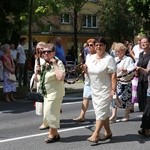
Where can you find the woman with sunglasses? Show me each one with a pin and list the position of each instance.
(101, 68)
(52, 88)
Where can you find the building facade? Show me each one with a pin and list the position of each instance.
(63, 26)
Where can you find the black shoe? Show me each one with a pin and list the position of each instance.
(52, 140)
(142, 132)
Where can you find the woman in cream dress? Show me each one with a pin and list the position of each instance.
(52, 87)
(101, 68)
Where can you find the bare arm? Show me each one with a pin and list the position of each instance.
(113, 83)
(144, 71)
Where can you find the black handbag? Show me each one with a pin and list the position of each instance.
(34, 96)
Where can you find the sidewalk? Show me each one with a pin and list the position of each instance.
(21, 92)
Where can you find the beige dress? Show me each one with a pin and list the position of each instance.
(100, 82)
(52, 100)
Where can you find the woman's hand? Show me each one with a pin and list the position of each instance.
(123, 70)
(85, 68)
(12, 70)
(112, 93)
(53, 60)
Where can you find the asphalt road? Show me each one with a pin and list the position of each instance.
(19, 129)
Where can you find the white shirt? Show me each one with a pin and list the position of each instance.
(126, 63)
(137, 50)
(14, 54)
(22, 55)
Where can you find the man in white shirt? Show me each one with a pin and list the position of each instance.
(21, 59)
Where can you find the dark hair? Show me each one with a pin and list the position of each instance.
(22, 39)
(50, 46)
(101, 40)
(146, 37)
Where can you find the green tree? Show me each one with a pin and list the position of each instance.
(142, 9)
(11, 20)
(116, 22)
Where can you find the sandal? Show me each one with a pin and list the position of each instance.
(79, 119)
(105, 137)
(42, 127)
(90, 139)
(53, 139)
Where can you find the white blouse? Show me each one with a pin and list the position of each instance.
(126, 63)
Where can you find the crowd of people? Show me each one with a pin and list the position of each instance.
(122, 73)
(129, 82)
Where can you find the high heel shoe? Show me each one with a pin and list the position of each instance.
(53, 139)
(93, 140)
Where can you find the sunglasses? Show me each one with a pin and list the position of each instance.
(90, 45)
(47, 51)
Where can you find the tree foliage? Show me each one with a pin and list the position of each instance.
(15, 16)
(116, 21)
(142, 9)
(11, 20)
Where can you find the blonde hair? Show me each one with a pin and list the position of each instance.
(113, 45)
(41, 44)
(119, 46)
(85, 45)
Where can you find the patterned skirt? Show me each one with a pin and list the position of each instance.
(124, 93)
(8, 86)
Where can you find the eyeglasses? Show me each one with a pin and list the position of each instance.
(100, 45)
(90, 45)
(47, 51)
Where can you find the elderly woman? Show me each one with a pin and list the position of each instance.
(52, 87)
(38, 61)
(101, 68)
(125, 73)
(9, 87)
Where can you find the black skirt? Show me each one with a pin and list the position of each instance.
(146, 115)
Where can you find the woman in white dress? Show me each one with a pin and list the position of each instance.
(101, 69)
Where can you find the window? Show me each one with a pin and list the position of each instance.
(65, 18)
(89, 21)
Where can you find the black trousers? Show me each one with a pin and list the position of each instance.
(146, 116)
(142, 94)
